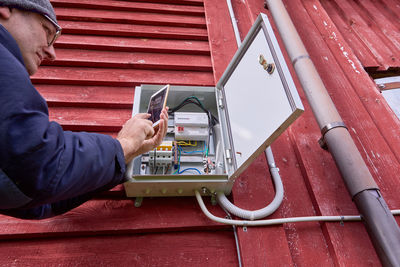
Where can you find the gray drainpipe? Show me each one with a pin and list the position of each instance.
(378, 220)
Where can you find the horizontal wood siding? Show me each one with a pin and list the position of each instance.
(106, 49)
(201, 248)
(109, 47)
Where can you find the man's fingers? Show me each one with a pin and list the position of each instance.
(158, 137)
(142, 115)
(149, 131)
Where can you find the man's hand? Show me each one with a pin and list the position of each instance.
(137, 135)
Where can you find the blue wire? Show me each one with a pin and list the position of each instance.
(189, 169)
(179, 165)
(191, 152)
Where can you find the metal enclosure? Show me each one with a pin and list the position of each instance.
(255, 101)
(258, 106)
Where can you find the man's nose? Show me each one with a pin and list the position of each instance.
(50, 53)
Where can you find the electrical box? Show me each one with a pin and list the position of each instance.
(209, 144)
(191, 126)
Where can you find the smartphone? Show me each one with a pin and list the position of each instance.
(157, 103)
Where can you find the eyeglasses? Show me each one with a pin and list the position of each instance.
(52, 40)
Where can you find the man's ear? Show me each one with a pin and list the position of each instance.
(5, 13)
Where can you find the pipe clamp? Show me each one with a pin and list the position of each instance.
(294, 61)
(326, 129)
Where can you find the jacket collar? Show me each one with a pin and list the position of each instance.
(10, 44)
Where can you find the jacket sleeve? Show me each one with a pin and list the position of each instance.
(48, 210)
(47, 164)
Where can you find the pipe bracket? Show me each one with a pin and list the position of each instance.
(294, 61)
(326, 129)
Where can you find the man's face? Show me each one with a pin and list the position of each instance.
(32, 32)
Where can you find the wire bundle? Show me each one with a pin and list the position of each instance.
(212, 121)
(178, 170)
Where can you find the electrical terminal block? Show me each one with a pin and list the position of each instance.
(162, 155)
(165, 146)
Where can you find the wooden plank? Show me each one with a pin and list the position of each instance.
(330, 196)
(132, 30)
(87, 96)
(388, 31)
(365, 89)
(392, 8)
(330, 191)
(132, 6)
(359, 49)
(116, 216)
(133, 44)
(119, 77)
(166, 249)
(99, 224)
(89, 119)
(175, 2)
(128, 17)
(368, 34)
(346, 235)
(222, 45)
(125, 60)
(244, 17)
(253, 189)
(306, 241)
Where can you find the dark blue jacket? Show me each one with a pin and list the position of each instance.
(45, 171)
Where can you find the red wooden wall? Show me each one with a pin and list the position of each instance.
(108, 47)
(312, 182)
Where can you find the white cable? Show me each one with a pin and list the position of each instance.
(264, 212)
(339, 218)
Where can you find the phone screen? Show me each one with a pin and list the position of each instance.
(157, 103)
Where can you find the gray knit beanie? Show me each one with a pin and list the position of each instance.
(39, 6)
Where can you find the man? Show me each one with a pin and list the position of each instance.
(45, 171)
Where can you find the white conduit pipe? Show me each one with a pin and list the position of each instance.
(264, 212)
(276, 202)
(234, 23)
(274, 172)
(339, 218)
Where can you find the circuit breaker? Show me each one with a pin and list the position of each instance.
(214, 133)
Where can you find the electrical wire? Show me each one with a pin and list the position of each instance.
(212, 120)
(234, 228)
(339, 218)
(190, 169)
(184, 143)
(193, 151)
(194, 100)
(178, 170)
(166, 171)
